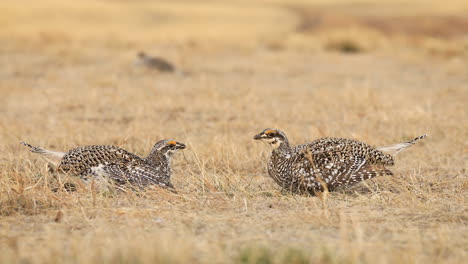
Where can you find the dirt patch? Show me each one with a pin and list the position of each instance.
(444, 27)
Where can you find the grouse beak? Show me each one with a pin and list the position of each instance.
(258, 136)
(180, 145)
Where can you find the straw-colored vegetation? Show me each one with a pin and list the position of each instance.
(68, 79)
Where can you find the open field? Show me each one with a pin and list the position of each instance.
(68, 79)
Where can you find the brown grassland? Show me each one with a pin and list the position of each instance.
(378, 71)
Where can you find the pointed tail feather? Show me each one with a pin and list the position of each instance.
(51, 154)
(397, 148)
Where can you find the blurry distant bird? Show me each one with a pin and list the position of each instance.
(332, 162)
(157, 63)
(116, 164)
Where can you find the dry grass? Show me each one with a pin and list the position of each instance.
(68, 79)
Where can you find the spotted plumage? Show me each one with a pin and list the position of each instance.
(334, 161)
(116, 164)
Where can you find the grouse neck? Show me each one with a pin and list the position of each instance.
(156, 159)
(283, 148)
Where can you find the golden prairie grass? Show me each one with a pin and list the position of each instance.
(70, 81)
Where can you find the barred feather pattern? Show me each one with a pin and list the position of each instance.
(337, 161)
(118, 165)
(137, 174)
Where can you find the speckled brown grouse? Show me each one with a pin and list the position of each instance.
(334, 161)
(117, 164)
(156, 63)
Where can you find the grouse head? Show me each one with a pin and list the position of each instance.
(167, 147)
(274, 137)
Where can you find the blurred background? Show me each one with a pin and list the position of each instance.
(430, 26)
